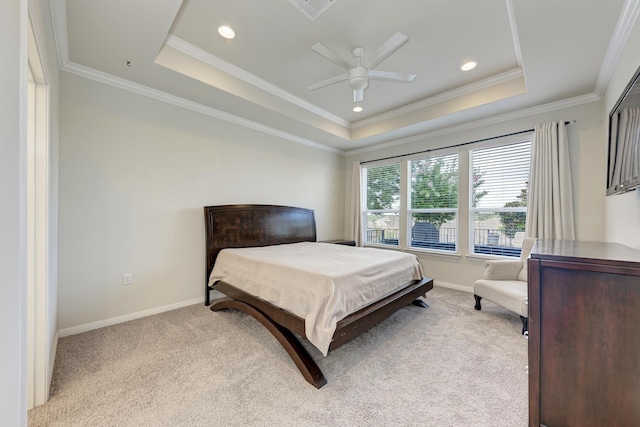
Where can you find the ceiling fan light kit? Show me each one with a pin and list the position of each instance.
(358, 78)
(360, 68)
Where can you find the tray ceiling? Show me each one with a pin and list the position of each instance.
(529, 54)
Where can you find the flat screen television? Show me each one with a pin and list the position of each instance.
(623, 169)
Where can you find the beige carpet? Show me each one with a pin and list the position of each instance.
(447, 365)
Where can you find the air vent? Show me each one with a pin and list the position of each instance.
(312, 8)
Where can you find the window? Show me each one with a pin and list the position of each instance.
(433, 207)
(381, 216)
(498, 206)
(423, 201)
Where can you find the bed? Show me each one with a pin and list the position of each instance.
(254, 231)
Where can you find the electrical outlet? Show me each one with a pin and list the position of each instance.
(127, 278)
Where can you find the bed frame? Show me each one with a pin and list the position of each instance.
(239, 226)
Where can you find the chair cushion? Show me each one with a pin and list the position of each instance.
(510, 294)
(502, 269)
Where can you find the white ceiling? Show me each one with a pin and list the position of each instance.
(530, 53)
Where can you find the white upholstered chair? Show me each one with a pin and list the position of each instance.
(504, 282)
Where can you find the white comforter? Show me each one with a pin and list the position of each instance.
(320, 282)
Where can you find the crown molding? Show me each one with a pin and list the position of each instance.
(59, 23)
(445, 96)
(514, 34)
(464, 90)
(625, 24)
(553, 106)
(216, 62)
(159, 95)
(623, 28)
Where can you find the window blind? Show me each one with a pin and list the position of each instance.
(499, 180)
(433, 209)
(383, 187)
(434, 182)
(500, 174)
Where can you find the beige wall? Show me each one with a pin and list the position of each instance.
(134, 176)
(588, 176)
(622, 213)
(13, 308)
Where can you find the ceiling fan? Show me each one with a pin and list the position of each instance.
(360, 69)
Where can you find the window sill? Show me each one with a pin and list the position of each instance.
(443, 254)
(482, 258)
(380, 246)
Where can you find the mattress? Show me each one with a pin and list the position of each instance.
(319, 282)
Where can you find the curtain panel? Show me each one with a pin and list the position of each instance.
(550, 204)
(625, 128)
(355, 214)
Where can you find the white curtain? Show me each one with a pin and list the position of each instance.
(355, 214)
(550, 204)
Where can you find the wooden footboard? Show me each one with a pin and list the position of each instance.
(358, 322)
(276, 319)
(307, 367)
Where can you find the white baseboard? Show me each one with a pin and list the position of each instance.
(127, 317)
(453, 286)
(150, 312)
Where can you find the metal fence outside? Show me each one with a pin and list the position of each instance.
(482, 236)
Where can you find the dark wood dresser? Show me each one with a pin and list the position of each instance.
(584, 334)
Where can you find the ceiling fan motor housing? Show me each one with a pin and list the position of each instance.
(358, 78)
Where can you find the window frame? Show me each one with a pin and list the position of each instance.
(365, 211)
(410, 211)
(508, 252)
(464, 226)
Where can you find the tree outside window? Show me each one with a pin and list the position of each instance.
(513, 222)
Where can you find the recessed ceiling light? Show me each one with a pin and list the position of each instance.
(226, 32)
(357, 109)
(468, 66)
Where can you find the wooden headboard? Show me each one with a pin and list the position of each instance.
(241, 226)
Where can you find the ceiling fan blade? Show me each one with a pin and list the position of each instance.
(390, 75)
(387, 48)
(330, 55)
(358, 95)
(328, 82)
